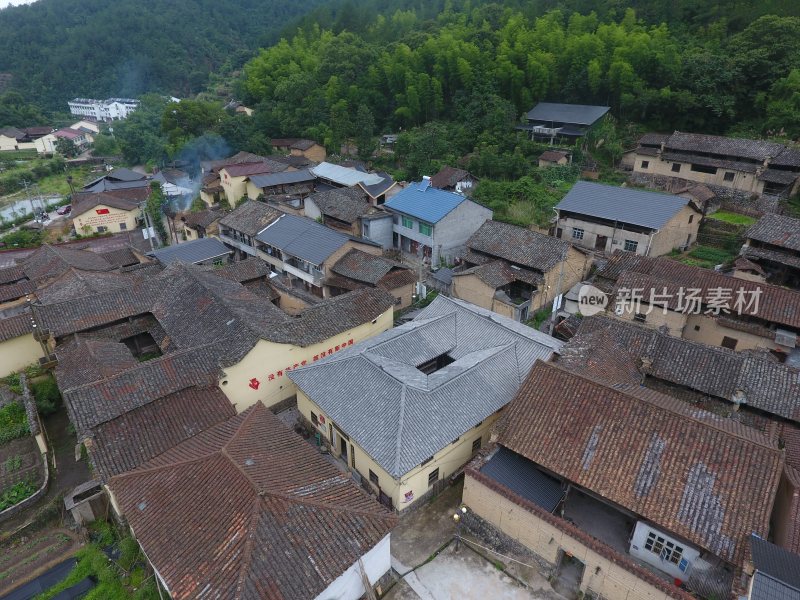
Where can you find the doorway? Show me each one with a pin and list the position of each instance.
(600, 242)
(569, 574)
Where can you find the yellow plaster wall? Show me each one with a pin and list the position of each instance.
(112, 220)
(17, 353)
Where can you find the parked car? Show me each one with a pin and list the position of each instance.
(64, 210)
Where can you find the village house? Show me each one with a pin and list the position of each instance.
(455, 180)
(204, 251)
(184, 329)
(238, 108)
(117, 179)
(514, 271)
(304, 250)
(340, 176)
(773, 243)
(239, 227)
(433, 225)
(299, 147)
(598, 478)
(324, 537)
(607, 218)
(358, 269)
(175, 183)
(292, 183)
(18, 346)
(553, 158)
(405, 410)
(46, 144)
(112, 211)
(556, 123)
(234, 177)
(12, 139)
(200, 224)
(777, 572)
(702, 305)
(750, 166)
(380, 192)
(348, 210)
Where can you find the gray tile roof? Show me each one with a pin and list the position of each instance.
(578, 114)
(519, 245)
(362, 266)
(192, 252)
(767, 588)
(250, 218)
(344, 204)
(776, 230)
(263, 181)
(626, 205)
(776, 562)
(399, 415)
(303, 238)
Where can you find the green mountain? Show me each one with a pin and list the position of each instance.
(59, 49)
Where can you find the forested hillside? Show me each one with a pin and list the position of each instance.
(58, 49)
(407, 68)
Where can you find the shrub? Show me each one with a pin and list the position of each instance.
(715, 255)
(13, 422)
(16, 494)
(45, 392)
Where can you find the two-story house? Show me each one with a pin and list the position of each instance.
(239, 228)
(553, 122)
(773, 243)
(432, 224)
(350, 211)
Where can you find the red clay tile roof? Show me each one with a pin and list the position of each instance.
(706, 479)
(248, 509)
(448, 177)
(16, 326)
(518, 245)
(244, 169)
(552, 156)
(135, 437)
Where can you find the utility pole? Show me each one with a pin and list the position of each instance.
(150, 232)
(26, 183)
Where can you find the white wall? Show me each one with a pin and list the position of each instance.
(637, 549)
(349, 586)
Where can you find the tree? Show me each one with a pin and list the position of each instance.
(155, 210)
(66, 147)
(365, 132)
(139, 136)
(105, 145)
(783, 106)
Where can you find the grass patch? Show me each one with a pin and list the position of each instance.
(12, 464)
(715, 255)
(732, 217)
(538, 318)
(13, 422)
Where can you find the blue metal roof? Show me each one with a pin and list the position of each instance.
(192, 252)
(522, 477)
(424, 202)
(303, 238)
(626, 205)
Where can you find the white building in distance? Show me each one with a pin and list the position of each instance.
(103, 110)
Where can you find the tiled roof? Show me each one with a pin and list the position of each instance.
(16, 326)
(250, 218)
(661, 275)
(74, 283)
(202, 218)
(135, 437)
(278, 521)
(374, 190)
(425, 202)
(238, 158)
(12, 274)
(362, 266)
(625, 205)
(653, 139)
(751, 378)
(121, 257)
(578, 114)
(519, 245)
(259, 168)
(192, 252)
(104, 184)
(265, 181)
(756, 150)
(498, 273)
(16, 290)
(303, 238)
(243, 270)
(706, 479)
(552, 156)
(399, 415)
(344, 204)
(776, 230)
(50, 261)
(82, 202)
(85, 360)
(765, 254)
(448, 177)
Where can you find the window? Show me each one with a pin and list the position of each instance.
(577, 234)
(476, 445)
(365, 229)
(102, 229)
(676, 167)
(433, 476)
(691, 218)
(408, 223)
(314, 419)
(374, 478)
(425, 229)
(704, 169)
(729, 176)
(665, 549)
(640, 317)
(123, 226)
(631, 245)
(697, 327)
(645, 164)
(729, 342)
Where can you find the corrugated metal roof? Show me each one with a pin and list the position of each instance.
(302, 238)
(626, 205)
(767, 588)
(579, 114)
(192, 252)
(425, 202)
(344, 175)
(262, 181)
(775, 561)
(522, 477)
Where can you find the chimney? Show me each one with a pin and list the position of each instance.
(426, 183)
